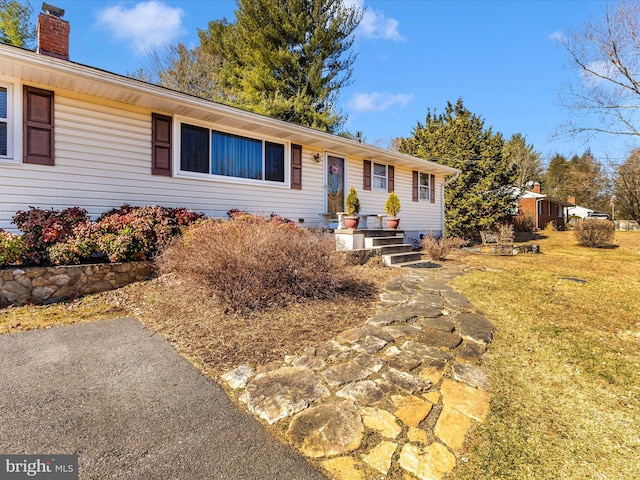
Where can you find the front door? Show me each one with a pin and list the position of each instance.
(335, 184)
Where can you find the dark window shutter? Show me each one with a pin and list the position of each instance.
(296, 167)
(390, 178)
(161, 144)
(366, 174)
(432, 186)
(414, 189)
(38, 131)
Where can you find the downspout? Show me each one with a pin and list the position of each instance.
(444, 184)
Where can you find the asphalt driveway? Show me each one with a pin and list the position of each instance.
(122, 398)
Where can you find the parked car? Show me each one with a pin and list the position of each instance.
(599, 216)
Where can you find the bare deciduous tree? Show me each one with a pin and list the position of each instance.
(525, 158)
(605, 96)
(626, 183)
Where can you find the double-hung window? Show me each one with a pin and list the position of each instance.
(379, 176)
(424, 187)
(203, 150)
(5, 138)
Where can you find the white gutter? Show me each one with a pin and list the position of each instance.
(446, 182)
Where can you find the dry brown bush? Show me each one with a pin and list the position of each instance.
(252, 263)
(524, 223)
(438, 249)
(594, 233)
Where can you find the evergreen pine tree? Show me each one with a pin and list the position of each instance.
(483, 193)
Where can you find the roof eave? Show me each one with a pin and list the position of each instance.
(50, 71)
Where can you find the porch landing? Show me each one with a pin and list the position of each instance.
(385, 242)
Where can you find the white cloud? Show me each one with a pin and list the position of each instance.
(146, 25)
(378, 102)
(557, 36)
(374, 24)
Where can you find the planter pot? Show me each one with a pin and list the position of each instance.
(351, 222)
(393, 223)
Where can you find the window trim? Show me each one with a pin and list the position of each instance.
(179, 173)
(14, 121)
(374, 176)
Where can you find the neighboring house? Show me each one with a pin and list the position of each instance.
(543, 208)
(577, 211)
(72, 135)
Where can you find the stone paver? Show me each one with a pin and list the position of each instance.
(327, 430)
(411, 410)
(380, 457)
(409, 379)
(381, 421)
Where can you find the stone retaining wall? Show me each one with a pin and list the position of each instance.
(40, 285)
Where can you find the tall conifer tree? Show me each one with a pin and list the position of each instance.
(483, 193)
(287, 58)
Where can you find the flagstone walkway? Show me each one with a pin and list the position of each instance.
(394, 396)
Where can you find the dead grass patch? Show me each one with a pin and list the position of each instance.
(566, 398)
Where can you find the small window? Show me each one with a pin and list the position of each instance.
(540, 207)
(379, 175)
(194, 149)
(4, 122)
(273, 162)
(424, 187)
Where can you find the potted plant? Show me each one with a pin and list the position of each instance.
(352, 209)
(392, 208)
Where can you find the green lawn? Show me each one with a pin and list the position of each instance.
(565, 362)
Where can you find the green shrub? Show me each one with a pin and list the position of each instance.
(253, 263)
(352, 205)
(438, 249)
(392, 206)
(595, 233)
(12, 248)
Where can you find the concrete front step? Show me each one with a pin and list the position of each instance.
(395, 259)
(382, 241)
(399, 248)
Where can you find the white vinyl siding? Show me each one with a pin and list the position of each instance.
(103, 160)
(419, 217)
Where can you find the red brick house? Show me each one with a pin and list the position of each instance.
(543, 208)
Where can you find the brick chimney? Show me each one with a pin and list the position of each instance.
(536, 188)
(53, 33)
(571, 200)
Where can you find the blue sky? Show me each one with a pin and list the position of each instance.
(413, 55)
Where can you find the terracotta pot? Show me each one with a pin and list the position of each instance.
(393, 223)
(351, 222)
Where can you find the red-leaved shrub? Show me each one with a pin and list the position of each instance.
(43, 228)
